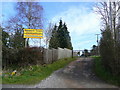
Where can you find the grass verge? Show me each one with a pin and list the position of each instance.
(102, 73)
(34, 74)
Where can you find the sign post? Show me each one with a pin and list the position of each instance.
(25, 43)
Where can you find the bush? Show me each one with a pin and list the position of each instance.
(102, 73)
(110, 52)
(21, 57)
(30, 56)
(8, 57)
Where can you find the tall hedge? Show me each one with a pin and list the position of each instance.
(21, 57)
(110, 52)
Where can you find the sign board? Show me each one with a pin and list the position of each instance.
(33, 33)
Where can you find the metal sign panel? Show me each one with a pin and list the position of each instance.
(33, 33)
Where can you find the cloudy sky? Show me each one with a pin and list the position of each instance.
(81, 20)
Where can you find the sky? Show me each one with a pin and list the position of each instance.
(82, 22)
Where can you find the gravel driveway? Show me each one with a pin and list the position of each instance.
(78, 74)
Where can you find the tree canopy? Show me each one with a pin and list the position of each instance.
(60, 37)
(29, 16)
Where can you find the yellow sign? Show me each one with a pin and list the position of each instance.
(33, 33)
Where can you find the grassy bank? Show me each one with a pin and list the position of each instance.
(103, 74)
(34, 74)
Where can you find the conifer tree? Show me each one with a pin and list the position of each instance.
(53, 40)
(60, 37)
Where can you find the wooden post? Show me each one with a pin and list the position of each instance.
(25, 43)
(40, 42)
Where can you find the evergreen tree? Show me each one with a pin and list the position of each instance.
(60, 37)
(53, 40)
(67, 37)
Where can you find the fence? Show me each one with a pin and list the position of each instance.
(32, 56)
(51, 55)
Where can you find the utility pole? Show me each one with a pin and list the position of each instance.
(97, 42)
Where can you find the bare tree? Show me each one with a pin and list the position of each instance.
(102, 9)
(109, 15)
(108, 12)
(29, 15)
(48, 34)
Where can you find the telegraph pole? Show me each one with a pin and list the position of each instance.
(97, 42)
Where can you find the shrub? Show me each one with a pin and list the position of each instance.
(21, 57)
(8, 57)
(30, 56)
(110, 52)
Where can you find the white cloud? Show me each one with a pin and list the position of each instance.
(80, 21)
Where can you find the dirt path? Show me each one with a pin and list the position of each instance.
(78, 74)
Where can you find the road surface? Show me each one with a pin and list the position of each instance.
(78, 74)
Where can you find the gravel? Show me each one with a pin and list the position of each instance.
(77, 74)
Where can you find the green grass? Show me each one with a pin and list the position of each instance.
(102, 73)
(94, 56)
(36, 74)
